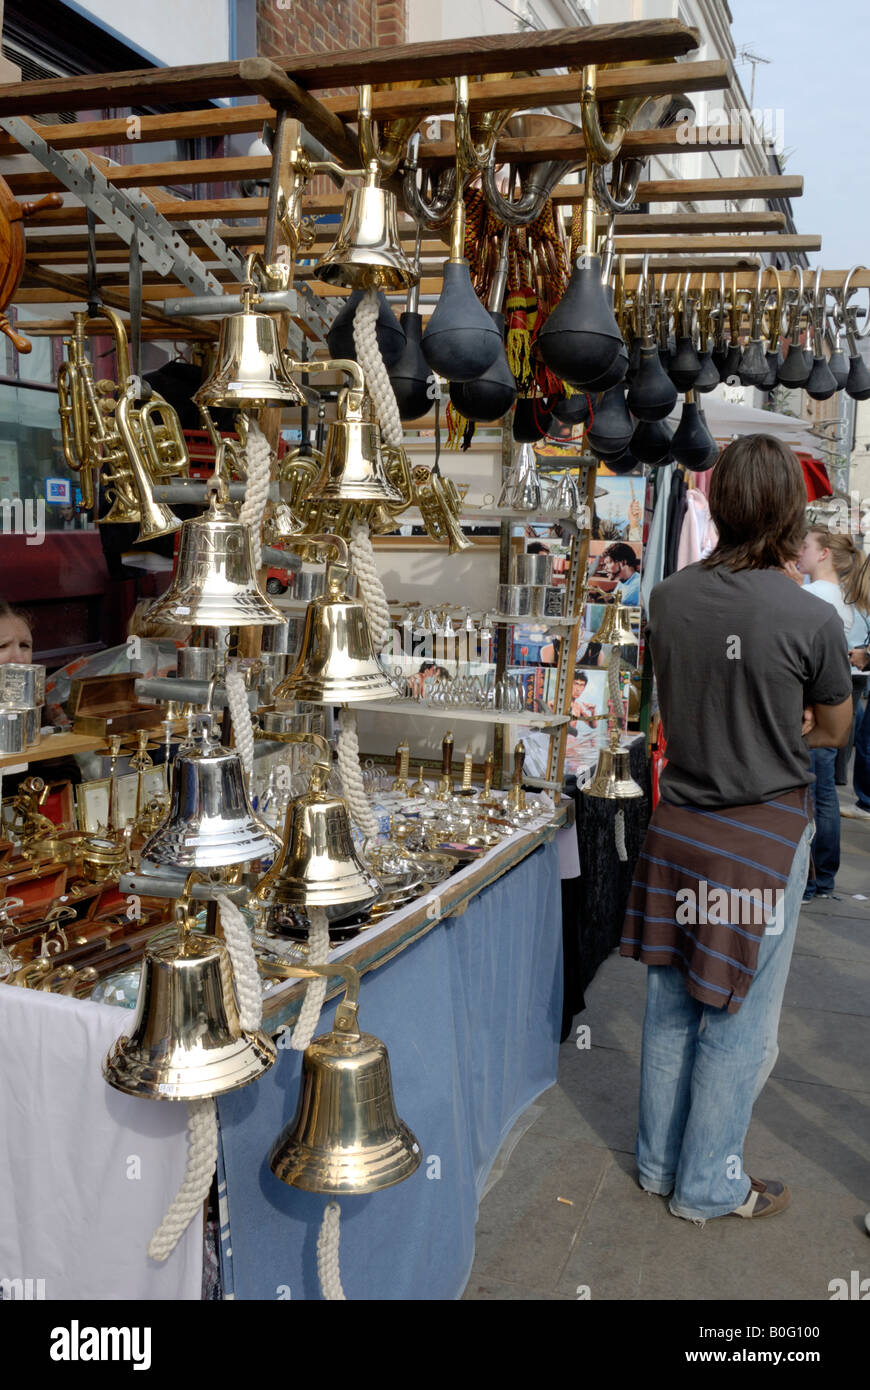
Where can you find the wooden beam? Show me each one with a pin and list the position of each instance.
(70, 287)
(511, 149)
(555, 89)
(701, 190)
(548, 48)
(270, 82)
(773, 242)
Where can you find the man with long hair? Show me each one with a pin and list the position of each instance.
(751, 674)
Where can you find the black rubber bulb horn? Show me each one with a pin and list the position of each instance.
(693, 445)
(388, 330)
(491, 395)
(410, 376)
(611, 429)
(461, 341)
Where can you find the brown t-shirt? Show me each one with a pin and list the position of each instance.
(737, 656)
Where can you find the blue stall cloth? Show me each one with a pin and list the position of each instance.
(470, 1014)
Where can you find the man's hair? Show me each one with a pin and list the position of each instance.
(758, 501)
(623, 554)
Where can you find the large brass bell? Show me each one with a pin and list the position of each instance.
(367, 253)
(613, 780)
(318, 866)
(215, 581)
(210, 821)
(353, 465)
(336, 664)
(186, 1041)
(249, 371)
(615, 629)
(346, 1136)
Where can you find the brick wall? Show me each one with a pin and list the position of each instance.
(318, 26)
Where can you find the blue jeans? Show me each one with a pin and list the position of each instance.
(861, 773)
(826, 808)
(702, 1069)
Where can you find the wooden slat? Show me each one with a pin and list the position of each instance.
(773, 242)
(433, 154)
(68, 287)
(527, 93)
(270, 82)
(601, 43)
(701, 190)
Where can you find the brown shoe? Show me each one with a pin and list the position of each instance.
(765, 1199)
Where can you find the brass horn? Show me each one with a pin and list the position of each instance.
(74, 409)
(346, 1135)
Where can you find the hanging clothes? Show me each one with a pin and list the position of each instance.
(676, 511)
(654, 555)
(698, 534)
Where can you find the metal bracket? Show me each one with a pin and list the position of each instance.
(228, 258)
(125, 212)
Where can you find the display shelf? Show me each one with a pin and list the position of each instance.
(461, 712)
(54, 746)
(491, 516)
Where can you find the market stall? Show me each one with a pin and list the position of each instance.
(326, 766)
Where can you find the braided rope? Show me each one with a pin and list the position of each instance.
(328, 1271)
(246, 976)
(371, 586)
(368, 354)
(258, 458)
(237, 699)
(351, 776)
(619, 836)
(318, 954)
(613, 685)
(202, 1139)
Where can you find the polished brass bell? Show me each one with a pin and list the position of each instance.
(186, 1041)
(615, 629)
(318, 866)
(249, 371)
(367, 253)
(336, 664)
(346, 1136)
(215, 581)
(210, 821)
(353, 465)
(613, 780)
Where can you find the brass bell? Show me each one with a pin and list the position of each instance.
(186, 1041)
(353, 465)
(336, 664)
(615, 629)
(250, 370)
(367, 253)
(318, 866)
(215, 581)
(346, 1136)
(210, 821)
(613, 780)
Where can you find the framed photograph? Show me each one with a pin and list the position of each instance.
(92, 805)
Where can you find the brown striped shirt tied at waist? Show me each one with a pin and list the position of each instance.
(707, 884)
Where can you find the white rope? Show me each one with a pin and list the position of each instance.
(245, 973)
(202, 1140)
(378, 384)
(328, 1271)
(318, 954)
(352, 787)
(619, 836)
(258, 458)
(371, 586)
(237, 699)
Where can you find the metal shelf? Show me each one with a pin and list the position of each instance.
(471, 516)
(463, 712)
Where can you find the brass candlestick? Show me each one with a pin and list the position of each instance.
(516, 799)
(445, 781)
(403, 759)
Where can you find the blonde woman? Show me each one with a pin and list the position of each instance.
(839, 573)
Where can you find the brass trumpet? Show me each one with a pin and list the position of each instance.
(73, 376)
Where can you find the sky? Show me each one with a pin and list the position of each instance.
(819, 76)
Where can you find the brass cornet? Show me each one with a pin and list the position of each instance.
(73, 406)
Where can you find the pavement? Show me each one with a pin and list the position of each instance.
(563, 1217)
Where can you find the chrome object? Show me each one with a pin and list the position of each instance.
(21, 684)
(210, 821)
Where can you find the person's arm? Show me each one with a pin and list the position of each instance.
(831, 725)
(860, 657)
